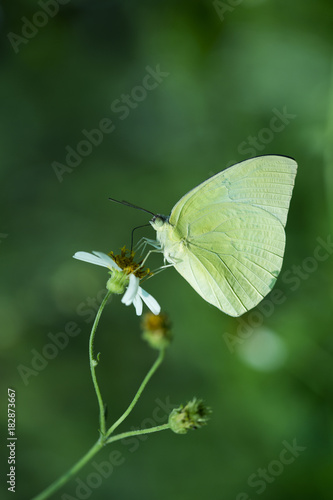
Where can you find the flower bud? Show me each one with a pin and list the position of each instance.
(191, 416)
(156, 330)
(118, 282)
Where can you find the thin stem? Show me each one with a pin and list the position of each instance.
(139, 392)
(104, 437)
(136, 433)
(72, 471)
(93, 364)
(328, 150)
(90, 454)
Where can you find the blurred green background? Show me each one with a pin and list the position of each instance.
(227, 69)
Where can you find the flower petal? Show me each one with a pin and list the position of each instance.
(110, 263)
(137, 302)
(88, 257)
(149, 300)
(131, 291)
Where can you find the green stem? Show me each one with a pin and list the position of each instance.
(124, 435)
(90, 454)
(328, 149)
(139, 392)
(104, 437)
(72, 471)
(93, 364)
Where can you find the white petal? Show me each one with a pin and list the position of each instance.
(88, 257)
(131, 291)
(109, 262)
(149, 300)
(137, 302)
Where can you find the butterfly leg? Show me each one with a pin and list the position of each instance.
(157, 271)
(157, 250)
(143, 242)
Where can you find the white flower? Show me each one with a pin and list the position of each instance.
(134, 293)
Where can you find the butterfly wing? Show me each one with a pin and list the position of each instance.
(235, 262)
(231, 229)
(266, 182)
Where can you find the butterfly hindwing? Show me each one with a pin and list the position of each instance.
(235, 262)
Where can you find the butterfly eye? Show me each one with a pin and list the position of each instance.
(158, 221)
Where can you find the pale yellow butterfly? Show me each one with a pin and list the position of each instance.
(226, 237)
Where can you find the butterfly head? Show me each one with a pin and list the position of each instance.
(158, 221)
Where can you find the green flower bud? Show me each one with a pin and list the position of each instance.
(191, 416)
(118, 282)
(156, 330)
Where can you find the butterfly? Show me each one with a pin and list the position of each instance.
(226, 236)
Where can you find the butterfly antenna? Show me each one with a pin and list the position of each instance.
(128, 204)
(132, 234)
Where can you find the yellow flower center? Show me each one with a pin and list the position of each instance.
(126, 262)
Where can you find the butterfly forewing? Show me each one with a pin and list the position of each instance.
(266, 182)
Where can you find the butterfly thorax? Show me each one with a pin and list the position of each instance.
(168, 237)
